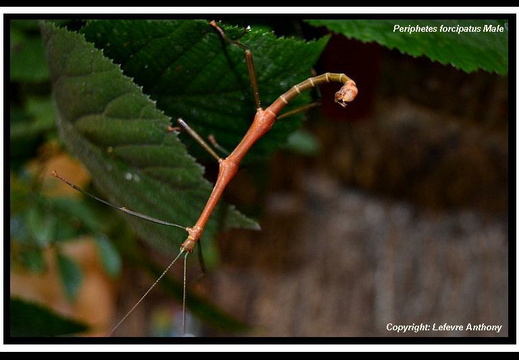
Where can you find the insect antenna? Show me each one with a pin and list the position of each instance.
(121, 208)
(151, 288)
(184, 294)
(153, 220)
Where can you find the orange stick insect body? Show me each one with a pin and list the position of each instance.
(264, 119)
(263, 122)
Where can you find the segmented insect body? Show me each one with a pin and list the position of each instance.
(263, 121)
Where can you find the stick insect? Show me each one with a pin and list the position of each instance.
(263, 121)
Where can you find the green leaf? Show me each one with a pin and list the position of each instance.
(69, 209)
(43, 112)
(71, 275)
(32, 319)
(42, 225)
(108, 120)
(27, 56)
(31, 258)
(465, 44)
(109, 255)
(186, 67)
(40, 119)
(123, 140)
